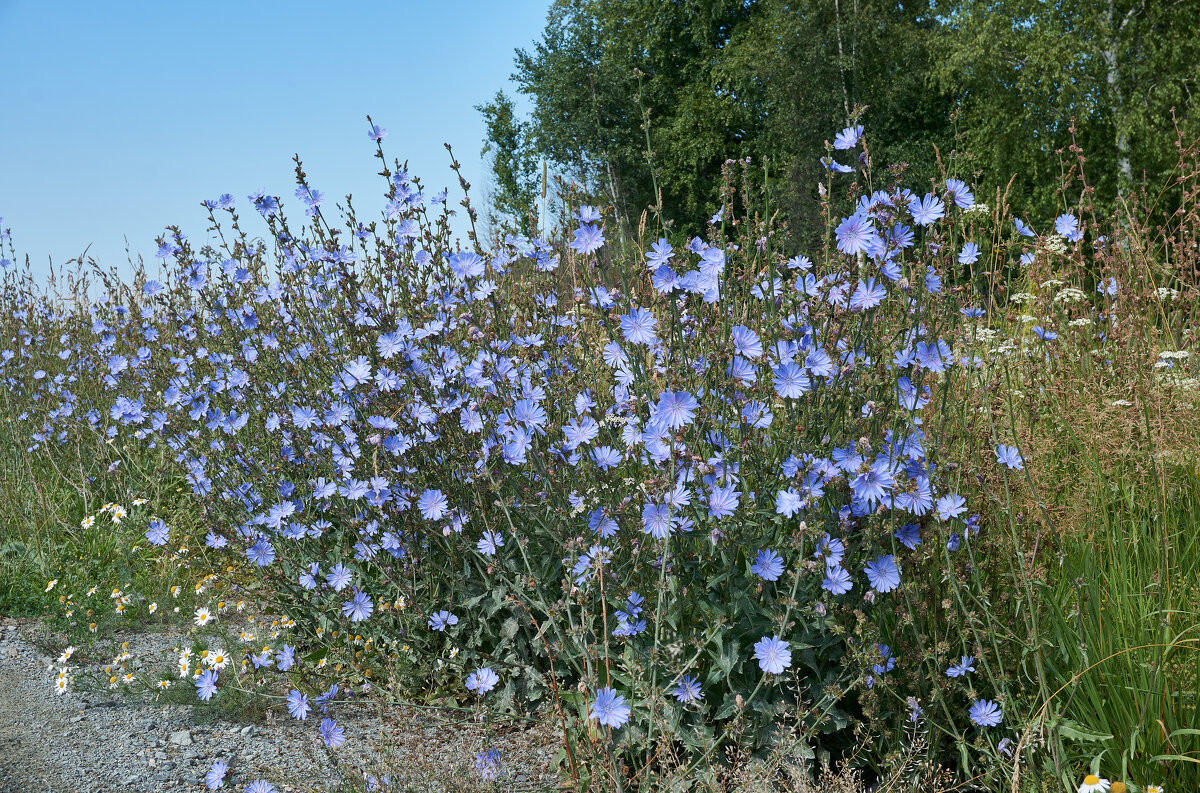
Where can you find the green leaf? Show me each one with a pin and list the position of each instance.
(1176, 757)
(727, 657)
(1184, 731)
(727, 707)
(1072, 731)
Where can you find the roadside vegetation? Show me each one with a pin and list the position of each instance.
(914, 507)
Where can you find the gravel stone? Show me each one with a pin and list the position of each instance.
(87, 742)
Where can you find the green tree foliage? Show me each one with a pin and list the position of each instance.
(512, 162)
(774, 79)
(587, 120)
(805, 66)
(1022, 70)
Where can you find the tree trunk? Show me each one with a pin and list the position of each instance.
(837, 17)
(1116, 102)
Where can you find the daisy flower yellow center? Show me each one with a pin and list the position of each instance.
(1091, 779)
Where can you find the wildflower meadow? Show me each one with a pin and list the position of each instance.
(912, 508)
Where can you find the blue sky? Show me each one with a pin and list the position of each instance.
(119, 118)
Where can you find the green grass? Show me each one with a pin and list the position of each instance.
(42, 539)
(1127, 632)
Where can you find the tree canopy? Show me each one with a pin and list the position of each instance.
(617, 87)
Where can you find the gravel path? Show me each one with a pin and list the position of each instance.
(84, 742)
